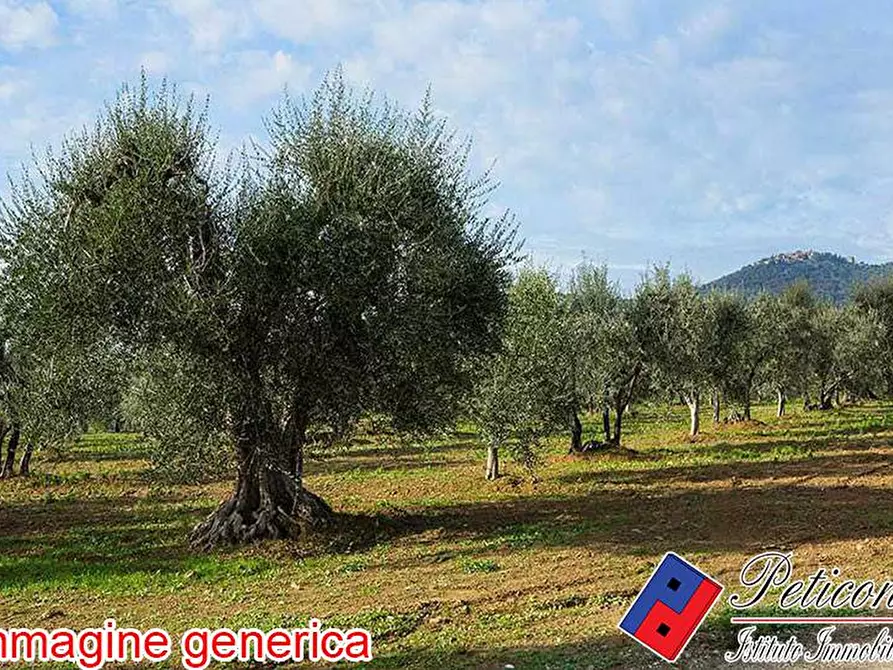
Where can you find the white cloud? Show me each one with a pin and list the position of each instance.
(212, 24)
(630, 129)
(619, 15)
(257, 76)
(155, 62)
(311, 21)
(11, 84)
(26, 25)
(707, 25)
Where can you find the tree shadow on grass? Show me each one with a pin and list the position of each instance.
(758, 461)
(634, 519)
(132, 453)
(393, 457)
(344, 465)
(397, 450)
(96, 540)
(628, 511)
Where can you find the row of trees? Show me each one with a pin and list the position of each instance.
(586, 347)
(344, 270)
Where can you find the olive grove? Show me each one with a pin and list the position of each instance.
(345, 268)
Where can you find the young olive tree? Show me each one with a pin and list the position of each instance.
(608, 359)
(49, 391)
(789, 323)
(725, 362)
(347, 268)
(756, 351)
(525, 392)
(847, 343)
(672, 324)
(876, 297)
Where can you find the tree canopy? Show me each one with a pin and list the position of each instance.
(347, 267)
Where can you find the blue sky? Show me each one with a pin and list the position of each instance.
(706, 134)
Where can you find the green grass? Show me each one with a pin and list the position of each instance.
(447, 569)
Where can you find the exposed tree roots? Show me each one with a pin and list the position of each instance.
(592, 446)
(238, 522)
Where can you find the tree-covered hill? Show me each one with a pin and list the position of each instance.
(830, 275)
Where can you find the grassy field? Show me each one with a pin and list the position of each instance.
(446, 569)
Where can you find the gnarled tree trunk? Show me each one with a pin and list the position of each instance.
(716, 406)
(606, 422)
(269, 501)
(492, 462)
(782, 401)
(826, 397)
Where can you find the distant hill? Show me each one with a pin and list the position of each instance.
(830, 276)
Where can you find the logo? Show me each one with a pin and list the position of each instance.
(671, 607)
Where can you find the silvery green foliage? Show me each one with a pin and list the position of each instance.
(671, 321)
(347, 267)
(846, 347)
(50, 391)
(738, 345)
(609, 362)
(876, 297)
(525, 392)
(790, 320)
(727, 327)
(177, 411)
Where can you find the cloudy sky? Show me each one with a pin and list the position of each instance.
(707, 134)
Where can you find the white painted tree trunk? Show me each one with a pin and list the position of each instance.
(694, 405)
(492, 462)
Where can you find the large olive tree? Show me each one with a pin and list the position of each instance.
(345, 268)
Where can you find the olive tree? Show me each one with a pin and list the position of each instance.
(525, 392)
(846, 346)
(725, 361)
(672, 321)
(789, 320)
(877, 297)
(49, 391)
(182, 424)
(608, 359)
(757, 346)
(345, 268)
